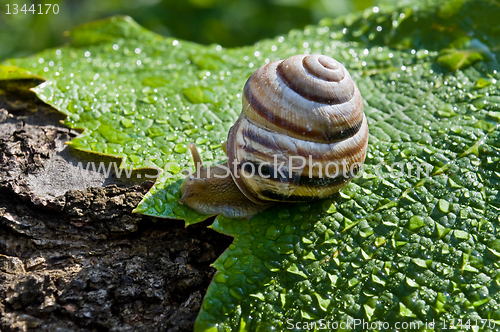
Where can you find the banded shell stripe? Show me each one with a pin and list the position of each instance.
(269, 173)
(318, 193)
(293, 198)
(316, 82)
(272, 104)
(264, 113)
(290, 188)
(312, 134)
(253, 138)
(302, 193)
(252, 147)
(307, 193)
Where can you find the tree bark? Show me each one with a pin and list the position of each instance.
(72, 255)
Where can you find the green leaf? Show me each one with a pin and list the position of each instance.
(412, 239)
(434, 224)
(16, 73)
(141, 98)
(463, 54)
(107, 30)
(459, 59)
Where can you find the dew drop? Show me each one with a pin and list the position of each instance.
(180, 148)
(230, 261)
(273, 266)
(159, 205)
(221, 278)
(284, 214)
(273, 232)
(186, 117)
(237, 293)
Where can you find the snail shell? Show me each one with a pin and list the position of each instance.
(301, 118)
(306, 105)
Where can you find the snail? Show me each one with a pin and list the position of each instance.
(302, 126)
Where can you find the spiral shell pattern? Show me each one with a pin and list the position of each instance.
(306, 107)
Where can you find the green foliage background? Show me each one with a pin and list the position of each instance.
(226, 22)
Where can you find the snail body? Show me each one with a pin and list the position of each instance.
(302, 121)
